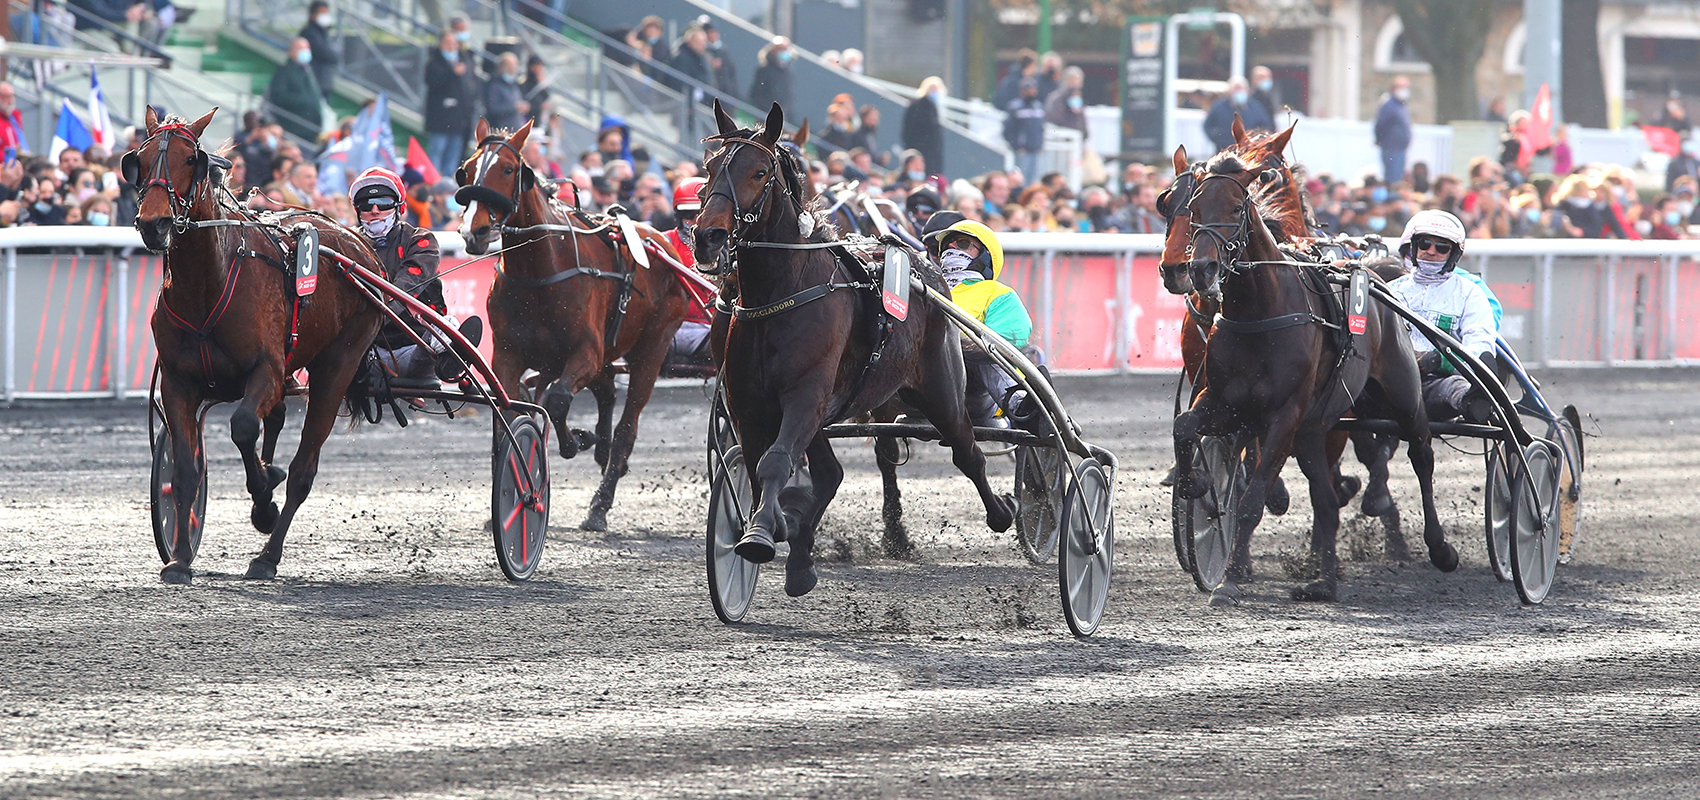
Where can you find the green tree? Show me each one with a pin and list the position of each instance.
(1451, 36)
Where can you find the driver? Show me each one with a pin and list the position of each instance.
(972, 260)
(409, 257)
(690, 343)
(1430, 247)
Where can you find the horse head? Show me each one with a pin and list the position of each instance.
(1172, 204)
(492, 182)
(749, 181)
(171, 161)
(1226, 227)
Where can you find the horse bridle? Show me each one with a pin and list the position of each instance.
(471, 192)
(130, 166)
(721, 184)
(1238, 237)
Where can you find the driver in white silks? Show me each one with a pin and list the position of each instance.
(1452, 301)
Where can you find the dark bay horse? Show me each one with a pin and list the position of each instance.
(1275, 373)
(568, 300)
(805, 347)
(228, 328)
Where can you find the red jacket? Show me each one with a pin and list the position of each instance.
(686, 257)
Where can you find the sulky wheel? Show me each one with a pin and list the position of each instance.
(1535, 535)
(161, 501)
(1085, 554)
(520, 497)
(1209, 520)
(1569, 439)
(721, 435)
(1039, 485)
(1498, 510)
(731, 578)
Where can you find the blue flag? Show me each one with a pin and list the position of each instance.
(70, 133)
(370, 143)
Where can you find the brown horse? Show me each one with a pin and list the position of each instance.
(228, 327)
(1275, 373)
(807, 346)
(569, 299)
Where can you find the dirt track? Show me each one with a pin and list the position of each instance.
(392, 660)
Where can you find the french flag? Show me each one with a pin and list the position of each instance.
(99, 119)
(70, 133)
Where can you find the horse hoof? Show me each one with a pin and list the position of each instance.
(264, 517)
(899, 547)
(275, 475)
(1278, 499)
(1226, 596)
(1346, 488)
(800, 581)
(176, 573)
(1443, 556)
(259, 570)
(596, 520)
(1003, 516)
(756, 547)
(1169, 479)
(1190, 486)
(1316, 592)
(1377, 503)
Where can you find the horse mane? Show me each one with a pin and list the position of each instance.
(1280, 204)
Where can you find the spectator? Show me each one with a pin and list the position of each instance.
(839, 132)
(1050, 73)
(867, 138)
(995, 190)
(461, 26)
(725, 72)
(1026, 66)
(1511, 145)
(451, 101)
(317, 32)
(257, 151)
(921, 129)
(647, 39)
(1140, 214)
(1495, 110)
(852, 61)
(1393, 129)
(1675, 117)
(1066, 107)
(1024, 127)
(11, 120)
(1419, 177)
(613, 142)
(70, 160)
(117, 12)
(1264, 93)
(772, 83)
(1686, 162)
(503, 106)
(301, 187)
(535, 89)
(601, 195)
(1218, 124)
(1095, 209)
(830, 58)
(1667, 219)
(693, 58)
(1562, 160)
(294, 92)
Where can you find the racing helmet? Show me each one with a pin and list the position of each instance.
(376, 182)
(987, 239)
(688, 195)
(1438, 224)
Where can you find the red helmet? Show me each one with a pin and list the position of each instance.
(688, 196)
(376, 181)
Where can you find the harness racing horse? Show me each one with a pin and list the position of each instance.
(807, 345)
(229, 328)
(1280, 369)
(569, 299)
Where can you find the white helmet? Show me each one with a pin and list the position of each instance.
(1440, 225)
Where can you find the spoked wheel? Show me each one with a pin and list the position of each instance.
(1569, 439)
(1498, 511)
(520, 497)
(1085, 554)
(162, 501)
(1209, 520)
(1039, 485)
(1534, 546)
(731, 578)
(722, 437)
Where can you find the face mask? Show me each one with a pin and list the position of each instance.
(509, 77)
(304, 56)
(1377, 223)
(380, 228)
(955, 261)
(1643, 227)
(1265, 85)
(1672, 218)
(271, 142)
(1240, 98)
(451, 56)
(1076, 102)
(935, 95)
(84, 194)
(1402, 94)
(464, 36)
(324, 20)
(1378, 194)
(916, 175)
(42, 206)
(1619, 192)
(450, 203)
(1685, 207)
(1429, 273)
(100, 218)
(1534, 214)
(714, 45)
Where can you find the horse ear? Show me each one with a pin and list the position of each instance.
(723, 119)
(775, 124)
(482, 130)
(1239, 129)
(801, 137)
(1180, 160)
(1278, 145)
(519, 137)
(527, 178)
(152, 119)
(200, 126)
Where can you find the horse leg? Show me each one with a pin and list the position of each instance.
(895, 541)
(1205, 415)
(1421, 450)
(1312, 452)
(557, 400)
(644, 365)
(603, 390)
(825, 475)
(329, 375)
(800, 422)
(261, 394)
(181, 406)
(1375, 451)
(945, 404)
(1272, 451)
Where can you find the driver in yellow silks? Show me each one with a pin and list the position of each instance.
(972, 259)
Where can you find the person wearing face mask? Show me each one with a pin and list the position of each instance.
(317, 32)
(295, 93)
(647, 39)
(1066, 107)
(972, 260)
(1024, 127)
(451, 101)
(503, 106)
(690, 343)
(1667, 220)
(921, 129)
(772, 82)
(1263, 91)
(1219, 122)
(1393, 130)
(1438, 292)
(409, 256)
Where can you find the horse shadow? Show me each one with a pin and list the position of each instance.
(356, 600)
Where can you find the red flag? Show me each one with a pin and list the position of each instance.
(1662, 140)
(417, 159)
(1537, 135)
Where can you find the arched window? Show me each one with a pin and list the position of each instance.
(1393, 53)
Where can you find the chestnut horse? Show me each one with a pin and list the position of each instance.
(568, 300)
(228, 327)
(806, 346)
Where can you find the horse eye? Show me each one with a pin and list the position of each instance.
(761, 173)
(507, 170)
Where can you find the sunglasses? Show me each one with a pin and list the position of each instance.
(1440, 246)
(375, 203)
